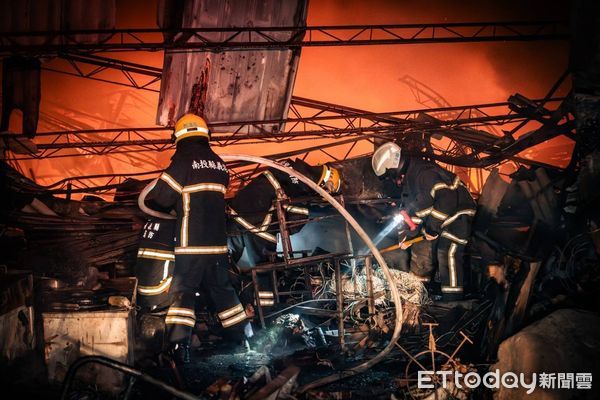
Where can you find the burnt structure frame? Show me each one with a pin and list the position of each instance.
(462, 125)
(248, 38)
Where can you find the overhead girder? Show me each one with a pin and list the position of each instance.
(495, 152)
(326, 121)
(467, 143)
(248, 38)
(100, 68)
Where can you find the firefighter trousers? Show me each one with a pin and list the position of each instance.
(257, 251)
(422, 260)
(449, 251)
(450, 254)
(449, 260)
(206, 274)
(450, 263)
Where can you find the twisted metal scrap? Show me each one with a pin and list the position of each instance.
(393, 289)
(411, 289)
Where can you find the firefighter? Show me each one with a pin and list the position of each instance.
(253, 218)
(194, 186)
(440, 203)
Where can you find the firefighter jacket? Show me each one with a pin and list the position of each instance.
(252, 207)
(435, 196)
(194, 186)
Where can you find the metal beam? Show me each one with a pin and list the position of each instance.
(102, 69)
(85, 184)
(322, 121)
(260, 38)
(315, 120)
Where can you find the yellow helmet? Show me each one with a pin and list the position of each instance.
(330, 179)
(190, 125)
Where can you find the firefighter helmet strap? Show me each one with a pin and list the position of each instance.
(325, 174)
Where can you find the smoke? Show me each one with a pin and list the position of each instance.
(367, 77)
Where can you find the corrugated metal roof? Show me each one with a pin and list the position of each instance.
(231, 85)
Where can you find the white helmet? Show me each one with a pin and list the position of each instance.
(387, 156)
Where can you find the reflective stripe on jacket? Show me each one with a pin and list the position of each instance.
(194, 185)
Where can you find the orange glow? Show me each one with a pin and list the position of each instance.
(362, 77)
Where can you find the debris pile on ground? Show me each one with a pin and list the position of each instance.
(413, 293)
(410, 287)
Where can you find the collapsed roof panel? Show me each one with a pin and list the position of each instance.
(231, 85)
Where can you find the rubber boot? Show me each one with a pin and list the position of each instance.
(236, 339)
(180, 352)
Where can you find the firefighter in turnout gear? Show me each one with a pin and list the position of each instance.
(440, 203)
(254, 224)
(194, 187)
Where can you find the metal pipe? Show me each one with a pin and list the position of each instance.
(126, 369)
(350, 247)
(286, 243)
(297, 305)
(257, 299)
(275, 286)
(370, 298)
(363, 235)
(339, 295)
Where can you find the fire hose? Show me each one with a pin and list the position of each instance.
(393, 289)
(363, 235)
(145, 208)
